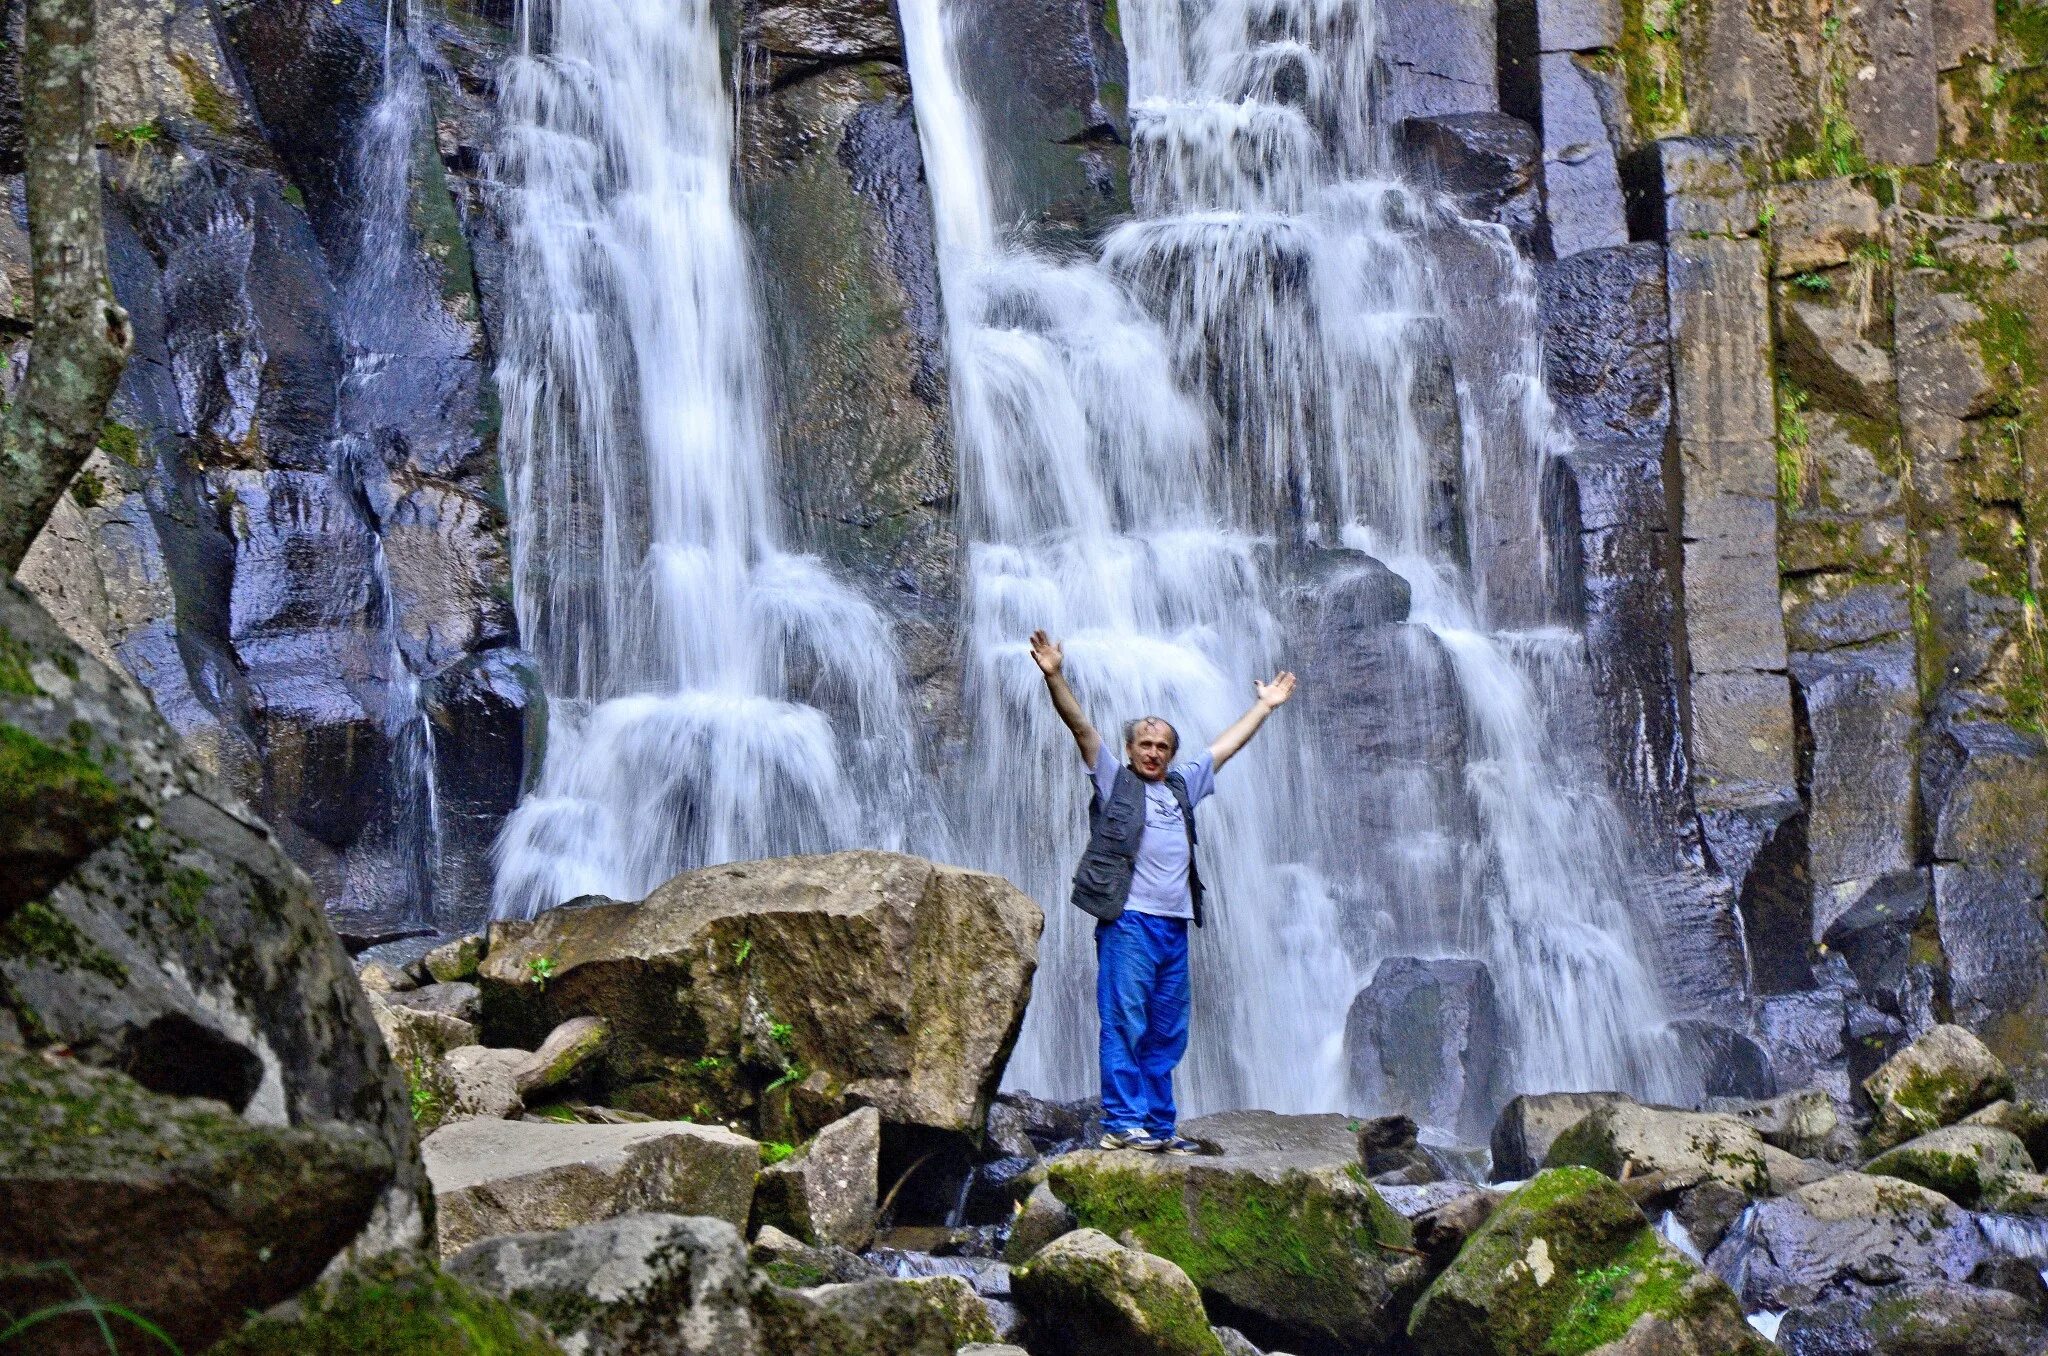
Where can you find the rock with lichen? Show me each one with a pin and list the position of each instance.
(1937, 1080)
(1087, 1295)
(825, 1192)
(397, 1305)
(933, 1317)
(1969, 1164)
(1568, 1265)
(1281, 1232)
(1622, 1139)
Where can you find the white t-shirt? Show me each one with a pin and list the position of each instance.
(1159, 884)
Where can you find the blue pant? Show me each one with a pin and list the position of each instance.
(1141, 993)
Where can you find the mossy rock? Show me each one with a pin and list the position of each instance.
(1937, 1080)
(397, 1305)
(1565, 1266)
(1292, 1254)
(1965, 1163)
(934, 1317)
(1085, 1293)
(1623, 1139)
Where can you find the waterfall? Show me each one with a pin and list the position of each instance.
(385, 265)
(711, 695)
(1174, 453)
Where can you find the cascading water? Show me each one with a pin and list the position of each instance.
(1149, 446)
(375, 331)
(711, 696)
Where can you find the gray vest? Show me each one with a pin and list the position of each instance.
(1102, 883)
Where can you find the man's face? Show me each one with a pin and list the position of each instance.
(1150, 750)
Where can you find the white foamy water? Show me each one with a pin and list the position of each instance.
(712, 696)
(1259, 362)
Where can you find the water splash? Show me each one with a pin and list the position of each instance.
(711, 695)
(1264, 366)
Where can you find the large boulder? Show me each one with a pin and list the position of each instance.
(502, 1177)
(1845, 1232)
(1966, 1163)
(1568, 1264)
(1529, 1124)
(150, 924)
(637, 1285)
(1424, 1038)
(1280, 1231)
(1624, 1140)
(1935, 1081)
(870, 978)
(825, 1192)
(1087, 1295)
(1804, 1122)
(394, 1305)
(92, 1163)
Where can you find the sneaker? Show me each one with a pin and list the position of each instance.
(1128, 1139)
(1179, 1145)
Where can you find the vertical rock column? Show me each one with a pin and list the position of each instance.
(1740, 715)
(1548, 76)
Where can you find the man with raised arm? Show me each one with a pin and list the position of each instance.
(1138, 878)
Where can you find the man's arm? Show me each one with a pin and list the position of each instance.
(1272, 696)
(1047, 654)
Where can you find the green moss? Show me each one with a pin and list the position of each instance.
(121, 442)
(394, 1306)
(1645, 1279)
(87, 489)
(38, 933)
(14, 661)
(294, 197)
(1232, 1222)
(210, 103)
(439, 227)
(1654, 67)
(1954, 1175)
(45, 790)
(796, 1275)
(2025, 26)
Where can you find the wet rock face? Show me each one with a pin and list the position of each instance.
(1422, 1039)
(292, 525)
(176, 954)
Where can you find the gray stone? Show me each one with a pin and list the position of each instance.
(101, 1175)
(1845, 1233)
(1438, 57)
(1731, 1064)
(1805, 1033)
(1917, 1318)
(1422, 1039)
(1488, 163)
(637, 1285)
(1624, 1140)
(1826, 351)
(826, 1192)
(458, 1000)
(932, 963)
(1968, 1164)
(496, 1177)
(1802, 1123)
(483, 1082)
(1936, 1081)
(932, 1317)
(1891, 94)
(455, 961)
(1963, 29)
(1606, 355)
(796, 1265)
(1086, 1295)
(1721, 342)
(812, 32)
(1530, 1124)
(1876, 931)
(1681, 187)
(1742, 742)
(1820, 223)
(418, 1039)
(1581, 182)
(1041, 1219)
(1940, 367)
(565, 1052)
(1997, 951)
(1862, 711)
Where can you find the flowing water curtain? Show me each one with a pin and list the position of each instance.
(1279, 303)
(712, 696)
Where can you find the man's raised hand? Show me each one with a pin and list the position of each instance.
(1046, 653)
(1277, 692)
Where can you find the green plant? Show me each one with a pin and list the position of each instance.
(133, 139)
(782, 1033)
(741, 950)
(1923, 257)
(1829, 27)
(540, 969)
(88, 490)
(1794, 435)
(99, 1310)
(2011, 261)
(708, 1064)
(1813, 282)
(1767, 214)
(775, 1151)
(795, 1073)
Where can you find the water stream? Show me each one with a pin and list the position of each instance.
(712, 696)
(1254, 372)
